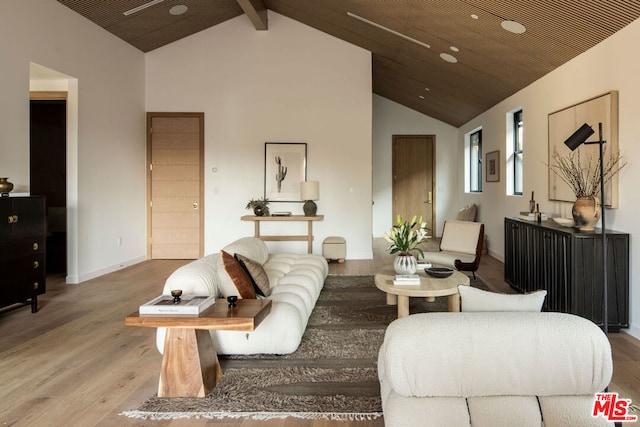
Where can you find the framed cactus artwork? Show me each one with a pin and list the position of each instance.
(285, 166)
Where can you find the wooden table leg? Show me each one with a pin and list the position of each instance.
(454, 302)
(310, 237)
(403, 306)
(392, 299)
(190, 366)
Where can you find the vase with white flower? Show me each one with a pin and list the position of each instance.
(405, 236)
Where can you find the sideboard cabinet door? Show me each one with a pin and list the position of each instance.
(567, 263)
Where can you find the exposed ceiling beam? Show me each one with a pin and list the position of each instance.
(256, 11)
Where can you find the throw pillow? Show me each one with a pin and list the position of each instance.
(240, 278)
(473, 299)
(257, 275)
(468, 213)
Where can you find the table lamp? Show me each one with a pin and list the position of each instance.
(309, 191)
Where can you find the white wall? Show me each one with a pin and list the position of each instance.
(108, 183)
(611, 65)
(288, 84)
(390, 118)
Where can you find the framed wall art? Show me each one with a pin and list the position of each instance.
(563, 123)
(285, 166)
(492, 160)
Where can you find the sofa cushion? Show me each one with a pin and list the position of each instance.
(473, 299)
(195, 278)
(256, 273)
(494, 354)
(241, 280)
(251, 247)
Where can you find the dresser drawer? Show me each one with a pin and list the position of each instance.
(22, 247)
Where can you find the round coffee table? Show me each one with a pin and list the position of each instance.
(429, 288)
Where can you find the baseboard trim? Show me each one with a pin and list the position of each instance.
(633, 330)
(77, 279)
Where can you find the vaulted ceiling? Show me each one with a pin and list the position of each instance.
(412, 41)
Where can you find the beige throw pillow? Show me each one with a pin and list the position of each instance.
(473, 299)
(256, 273)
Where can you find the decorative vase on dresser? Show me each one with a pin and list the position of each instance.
(5, 187)
(586, 212)
(22, 250)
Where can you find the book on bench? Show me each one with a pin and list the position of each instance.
(164, 305)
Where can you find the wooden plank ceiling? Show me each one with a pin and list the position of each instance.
(492, 63)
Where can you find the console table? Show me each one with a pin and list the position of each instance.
(567, 263)
(299, 238)
(190, 366)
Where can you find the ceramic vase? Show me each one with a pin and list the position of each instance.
(5, 186)
(586, 212)
(258, 211)
(405, 264)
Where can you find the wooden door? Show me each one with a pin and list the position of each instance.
(175, 174)
(413, 179)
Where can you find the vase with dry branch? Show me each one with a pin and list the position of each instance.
(583, 177)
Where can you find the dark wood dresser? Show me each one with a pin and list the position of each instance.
(22, 250)
(568, 264)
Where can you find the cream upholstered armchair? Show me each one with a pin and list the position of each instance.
(460, 246)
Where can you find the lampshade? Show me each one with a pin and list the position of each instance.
(579, 136)
(310, 190)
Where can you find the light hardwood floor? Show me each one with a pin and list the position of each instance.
(74, 363)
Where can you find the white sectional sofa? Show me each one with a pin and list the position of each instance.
(493, 369)
(295, 281)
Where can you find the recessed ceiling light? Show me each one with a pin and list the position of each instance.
(178, 9)
(427, 89)
(474, 16)
(455, 49)
(420, 96)
(513, 27)
(448, 58)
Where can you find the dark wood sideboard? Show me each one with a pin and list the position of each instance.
(22, 250)
(568, 264)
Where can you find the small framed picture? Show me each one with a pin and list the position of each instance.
(492, 160)
(285, 166)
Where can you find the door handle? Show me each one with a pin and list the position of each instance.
(429, 198)
(195, 205)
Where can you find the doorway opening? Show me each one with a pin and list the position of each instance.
(48, 170)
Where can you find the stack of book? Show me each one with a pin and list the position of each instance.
(531, 216)
(164, 305)
(406, 279)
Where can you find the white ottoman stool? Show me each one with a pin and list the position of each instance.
(334, 247)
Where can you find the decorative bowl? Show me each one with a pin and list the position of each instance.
(439, 272)
(565, 222)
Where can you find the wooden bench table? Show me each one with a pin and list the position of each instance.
(190, 366)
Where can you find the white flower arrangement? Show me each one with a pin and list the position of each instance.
(405, 237)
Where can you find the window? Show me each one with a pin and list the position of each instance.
(517, 152)
(475, 162)
(513, 147)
